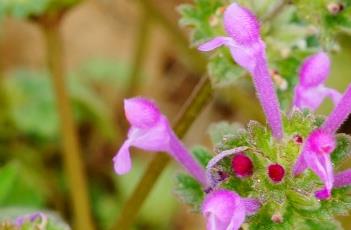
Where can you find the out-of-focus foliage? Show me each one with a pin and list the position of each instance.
(32, 94)
(28, 8)
(30, 138)
(10, 220)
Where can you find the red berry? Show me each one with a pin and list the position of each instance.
(276, 172)
(242, 165)
(298, 139)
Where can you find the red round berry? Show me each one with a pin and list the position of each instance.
(298, 139)
(276, 172)
(242, 165)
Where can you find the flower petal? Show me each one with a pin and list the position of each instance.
(249, 52)
(181, 154)
(141, 112)
(267, 95)
(251, 206)
(246, 56)
(156, 138)
(323, 194)
(312, 97)
(151, 131)
(300, 165)
(334, 95)
(322, 166)
(241, 24)
(122, 162)
(314, 70)
(340, 113)
(224, 210)
(343, 179)
(217, 42)
(316, 156)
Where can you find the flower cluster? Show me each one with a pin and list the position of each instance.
(256, 173)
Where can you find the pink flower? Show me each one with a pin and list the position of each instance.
(226, 210)
(248, 51)
(342, 179)
(151, 131)
(310, 91)
(316, 156)
(320, 143)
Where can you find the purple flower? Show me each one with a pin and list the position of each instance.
(339, 114)
(32, 218)
(342, 178)
(226, 210)
(316, 155)
(248, 50)
(151, 131)
(310, 91)
(320, 143)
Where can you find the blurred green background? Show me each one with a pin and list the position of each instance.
(112, 50)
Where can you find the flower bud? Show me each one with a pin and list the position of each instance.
(242, 165)
(241, 25)
(276, 172)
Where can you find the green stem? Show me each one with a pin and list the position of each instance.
(139, 54)
(193, 59)
(277, 10)
(194, 105)
(71, 153)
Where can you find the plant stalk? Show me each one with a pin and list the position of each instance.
(139, 54)
(71, 152)
(193, 59)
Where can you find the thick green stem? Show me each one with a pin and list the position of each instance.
(187, 115)
(71, 152)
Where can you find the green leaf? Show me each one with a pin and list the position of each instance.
(219, 131)
(28, 8)
(202, 155)
(260, 137)
(25, 187)
(31, 94)
(205, 20)
(8, 176)
(301, 123)
(223, 71)
(321, 225)
(342, 150)
(189, 190)
(300, 201)
(198, 17)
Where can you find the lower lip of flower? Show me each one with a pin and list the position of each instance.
(276, 172)
(242, 165)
